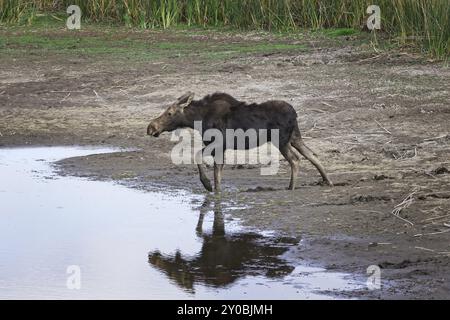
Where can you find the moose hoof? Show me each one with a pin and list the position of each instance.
(325, 183)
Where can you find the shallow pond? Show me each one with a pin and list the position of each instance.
(73, 238)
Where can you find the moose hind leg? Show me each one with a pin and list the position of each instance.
(308, 154)
(201, 170)
(291, 157)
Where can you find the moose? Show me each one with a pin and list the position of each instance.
(222, 112)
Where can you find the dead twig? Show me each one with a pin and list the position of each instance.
(373, 211)
(429, 174)
(403, 205)
(327, 104)
(318, 110)
(426, 249)
(436, 138)
(431, 233)
(379, 124)
(351, 143)
(436, 218)
(313, 127)
(57, 18)
(98, 97)
(370, 58)
(403, 155)
(64, 99)
(65, 91)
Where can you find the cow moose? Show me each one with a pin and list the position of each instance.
(221, 111)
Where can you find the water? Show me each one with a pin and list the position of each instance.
(119, 243)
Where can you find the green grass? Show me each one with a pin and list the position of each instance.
(114, 43)
(73, 43)
(339, 32)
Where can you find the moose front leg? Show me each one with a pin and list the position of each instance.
(203, 178)
(201, 170)
(218, 168)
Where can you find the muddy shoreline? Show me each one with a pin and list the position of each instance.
(344, 235)
(379, 126)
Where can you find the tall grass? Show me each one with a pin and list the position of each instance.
(16, 11)
(422, 22)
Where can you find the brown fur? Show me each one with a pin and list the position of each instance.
(221, 111)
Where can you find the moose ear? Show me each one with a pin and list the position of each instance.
(185, 99)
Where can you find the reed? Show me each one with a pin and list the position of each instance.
(424, 23)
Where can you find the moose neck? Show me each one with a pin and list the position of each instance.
(194, 113)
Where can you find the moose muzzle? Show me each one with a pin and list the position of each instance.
(152, 130)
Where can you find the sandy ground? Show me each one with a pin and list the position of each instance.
(379, 122)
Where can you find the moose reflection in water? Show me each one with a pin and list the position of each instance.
(224, 258)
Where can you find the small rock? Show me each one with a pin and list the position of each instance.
(380, 177)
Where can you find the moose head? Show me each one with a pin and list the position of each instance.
(172, 118)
